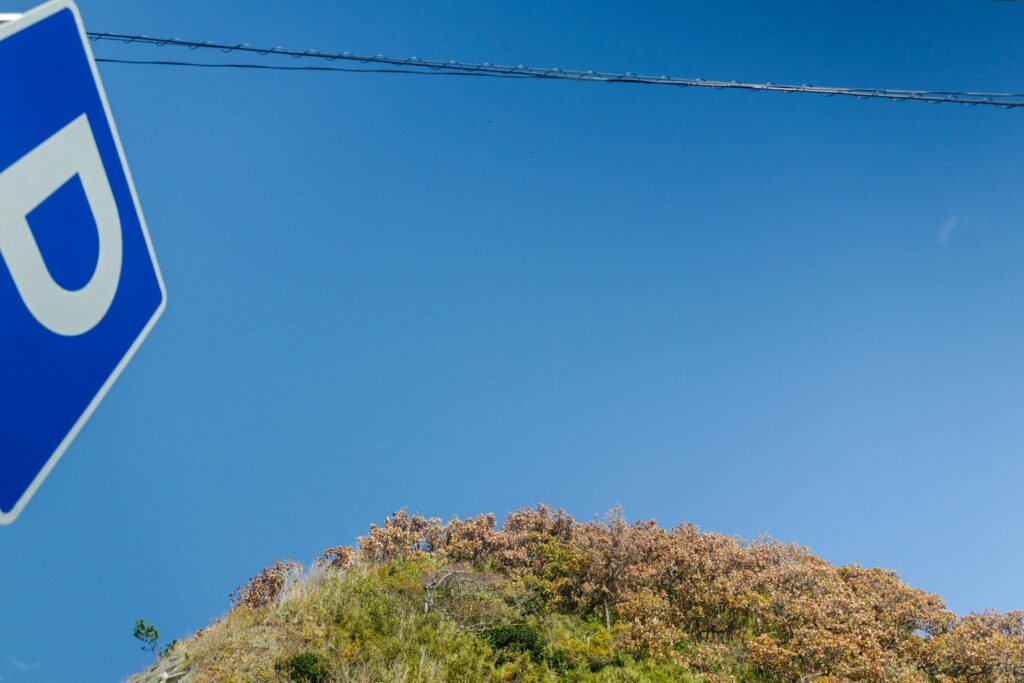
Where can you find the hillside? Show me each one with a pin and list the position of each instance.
(547, 598)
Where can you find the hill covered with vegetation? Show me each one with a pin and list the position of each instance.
(547, 598)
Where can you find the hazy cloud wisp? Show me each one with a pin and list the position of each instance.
(951, 224)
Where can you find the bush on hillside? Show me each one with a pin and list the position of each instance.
(547, 598)
(305, 667)
(266, 586)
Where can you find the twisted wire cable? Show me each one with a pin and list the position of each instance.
(416, 65)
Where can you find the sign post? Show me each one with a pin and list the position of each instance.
(80, 287)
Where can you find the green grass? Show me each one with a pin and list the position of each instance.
(369, 625)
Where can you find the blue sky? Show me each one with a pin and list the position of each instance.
(755, 312)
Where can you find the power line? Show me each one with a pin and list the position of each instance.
(415, 65)
(282, 67)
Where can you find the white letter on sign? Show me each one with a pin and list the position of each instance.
(25, 185)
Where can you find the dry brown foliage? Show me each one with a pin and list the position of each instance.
(339, 557)
(979, 647)
(705, 600)
(776, 606)
(402, 536)
(265, 587)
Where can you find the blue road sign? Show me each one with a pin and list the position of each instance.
(79, 284)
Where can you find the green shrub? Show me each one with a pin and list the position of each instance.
(305, 667)
(516, 638)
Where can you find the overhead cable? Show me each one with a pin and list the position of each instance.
(416, 65)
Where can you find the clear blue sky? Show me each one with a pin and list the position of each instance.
(776, 313)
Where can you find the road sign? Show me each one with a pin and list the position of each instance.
(79, 284)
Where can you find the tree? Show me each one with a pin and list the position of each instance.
(148, 636)
(614, 550)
